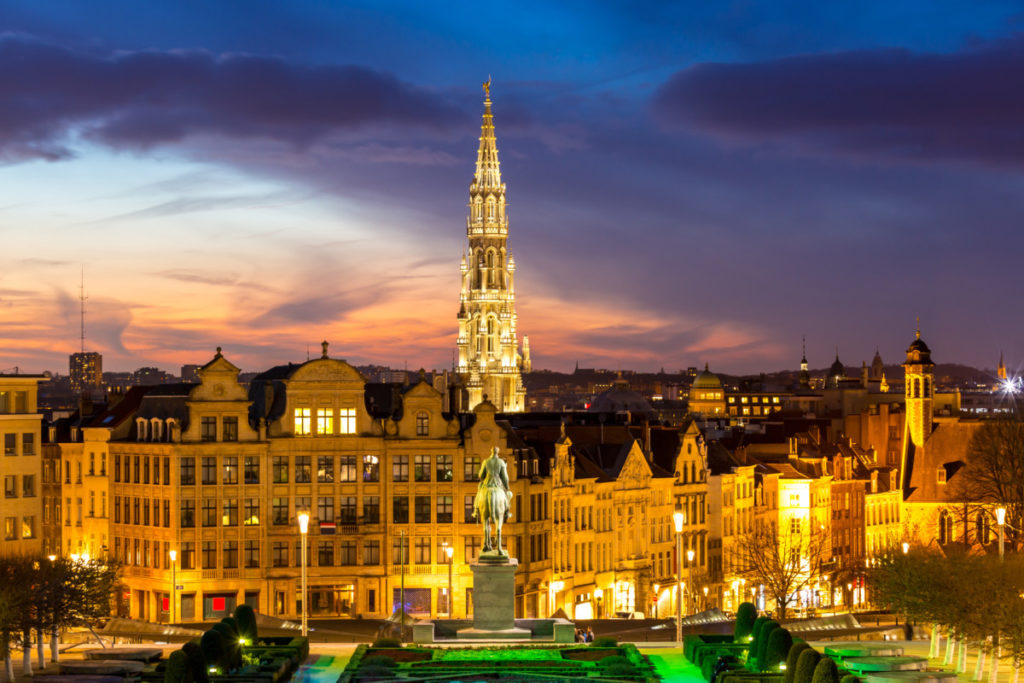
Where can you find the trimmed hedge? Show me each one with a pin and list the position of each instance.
(692, 643)
(805, 665)
(177, 670)
(826, 671)
(245, 618)
(387, 642)
(762, 641)
(604, 641)
(756, 628)
(779, 642)
(791, 659)
(746, 614)
(849, 678)
(748, 677)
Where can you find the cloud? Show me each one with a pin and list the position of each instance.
(185, 275)
(966, 105)
(136, 100)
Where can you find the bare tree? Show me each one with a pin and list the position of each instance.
(994, 474)
(784, 563)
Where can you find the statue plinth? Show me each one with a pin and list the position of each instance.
(494, 599)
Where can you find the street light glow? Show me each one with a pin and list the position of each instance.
(1001, 516)
(303, 522)
(678, 518)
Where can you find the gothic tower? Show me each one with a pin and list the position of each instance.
(1001, 370)
(919, 388)
(489, 358)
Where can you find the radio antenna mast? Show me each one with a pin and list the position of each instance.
(81, 298)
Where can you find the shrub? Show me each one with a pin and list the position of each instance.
(791, 658)
(826, 671)
(177, 670)
(387, 642)
(805, 665)
(232, 649)
(611, 660)
(376, 672)
(779, 641)
(849, 678)
(746, 614)
(621, 671)
(762, 640)
(379, 660)
(214, 650)
(245, 617)
(302, 644)
(707, 668)
(604, 641)
(196, 661)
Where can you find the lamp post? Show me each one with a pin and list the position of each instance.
(174, 556)
(597, 596)
(303, 528)
(705, 598)
(401, 593)
(689, 570)
(450, 552)
(1001, 521)
(677, 518)
(906, 547)
(656, 587)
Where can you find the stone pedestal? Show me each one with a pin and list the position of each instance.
(494, 601)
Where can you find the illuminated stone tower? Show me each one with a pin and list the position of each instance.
(1001, 370)
(919, 388)
(489, 358)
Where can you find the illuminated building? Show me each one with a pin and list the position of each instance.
(21, 507)
(707, 396)
(489, 359)
(86, 370)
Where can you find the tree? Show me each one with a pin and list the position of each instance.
(746, 614)
(994, 473)
(784, 563)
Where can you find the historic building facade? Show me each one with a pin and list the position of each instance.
(489, 358)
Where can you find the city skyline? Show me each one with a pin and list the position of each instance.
(775, 173)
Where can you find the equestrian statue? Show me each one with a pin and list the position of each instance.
(493, 502)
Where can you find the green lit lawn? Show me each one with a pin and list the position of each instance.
(672, 666)
(497, 654)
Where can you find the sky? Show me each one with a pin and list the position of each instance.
(688, 182)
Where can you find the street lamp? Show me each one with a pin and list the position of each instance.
(449, 550)
(174, 556)
(705, 597)
(689, 569)
(1001, 521)
(303, 528)
(677, 518)
(906, 547)
(597, 596)
(656, 596)
(556, 587)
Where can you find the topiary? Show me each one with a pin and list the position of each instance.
(611, 660)
(826, 671)
(626, 670)
(245, 617)
(756, 628)
(777, 649)
(791, 659)
(604, 641)
(387, 642)
(746, 614)
(805, 664)
(762, 640)
(214, 650)
(849, 678)
(379, 660)
(376, 672)
(232, 649)
(177, 669)
(196, 661)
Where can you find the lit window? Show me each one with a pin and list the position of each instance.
(422, 424)
(347, 421)
(743, 399)
(775, 399)
(324, 421)
(303, 420)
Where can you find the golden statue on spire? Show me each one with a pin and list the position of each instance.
(487, 87)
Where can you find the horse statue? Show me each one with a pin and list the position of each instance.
(493, 501)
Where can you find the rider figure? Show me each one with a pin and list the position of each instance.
(493, 497)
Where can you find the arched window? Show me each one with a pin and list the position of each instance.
(917, 388)
(422, 424)
(927, 388)
(141, 431)
(492, 336)
(490, 208)
(984, 528)
(156, 429)
(945, 527)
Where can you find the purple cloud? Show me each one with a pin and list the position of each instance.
(141, 99)
(967, 105)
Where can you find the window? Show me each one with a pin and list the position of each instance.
(187, 516)
(400, 510)
(230, 516)
(324, 421)
(347, 511)
(347, 421)
(421, 469)
(469, 505)
(348, 553)
(11, 528)
(794, 526)
(208, 429)
(187, 474)
(10, 486)
(444, 468)
(10, 444)
(209, 512)
(984, 528)
(444, 509)
(473, 548)
(252, 554)
(28, 444)
(167, 510)
(471, 467)
(371, 509)
(209, 557)
(252, 470)
(209, 471)
(280, 512)
(399, 550)
(422, 424)
(421, 551)
(400, 468)
(941, 475)
(303, 421)
(422, 509)
(230, 554)
(303, 469)
(371, 552)
(945, 527)
(230, 465)
(230, 427)
(347, 468)
(325, 469)
(279, 554)
(252, 512)
(325, 508)
(279, 468)
(371, 468)
(325, 554)
(117, 468)
(187, 556)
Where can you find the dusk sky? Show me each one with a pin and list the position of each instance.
(688, 182)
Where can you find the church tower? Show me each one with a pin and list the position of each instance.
(489, 358)
(919, 388)
(1001, 370)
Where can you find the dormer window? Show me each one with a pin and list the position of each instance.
(941, 475)
(171, 425)
(156, 429)
(141, 429)
(422, 424)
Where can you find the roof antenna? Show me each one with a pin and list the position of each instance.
(81, 299)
